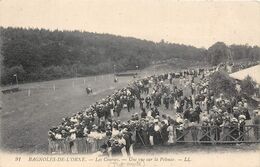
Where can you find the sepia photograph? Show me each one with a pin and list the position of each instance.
(129, 83)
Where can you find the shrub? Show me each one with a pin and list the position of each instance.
(7, 74)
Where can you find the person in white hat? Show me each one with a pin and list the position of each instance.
(236, 112)
(92, 139)
(51, 139)
(171, 132)
(66, 141)
(205, 129)
(242, 123)
(225, 126)
(234, 132)
(74, 146)
(179, 130)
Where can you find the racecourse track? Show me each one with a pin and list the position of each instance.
(27, 115)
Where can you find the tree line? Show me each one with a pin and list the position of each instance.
(40, 54)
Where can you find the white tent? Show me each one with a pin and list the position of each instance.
(253, 72)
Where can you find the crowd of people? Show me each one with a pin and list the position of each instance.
(234, 67)
(197, 115)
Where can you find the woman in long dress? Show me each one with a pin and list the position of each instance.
(73, 141)
(92, 139)
(171, 131)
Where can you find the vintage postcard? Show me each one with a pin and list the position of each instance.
(129, 83)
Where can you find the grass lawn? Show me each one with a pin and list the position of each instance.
(25, 120)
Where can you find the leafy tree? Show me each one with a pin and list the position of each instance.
(218, 53)
(220, 82)
(45, 54)
(254, 53)
(248, 86)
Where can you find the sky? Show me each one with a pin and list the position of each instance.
(200, 24)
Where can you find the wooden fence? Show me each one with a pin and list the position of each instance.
(219, 135)
(194, 134)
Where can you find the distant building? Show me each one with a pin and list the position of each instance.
(253, 72)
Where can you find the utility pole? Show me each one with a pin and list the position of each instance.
(16, 78)
(115, 79)
(137, 70)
